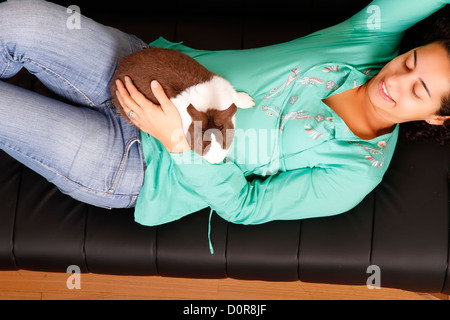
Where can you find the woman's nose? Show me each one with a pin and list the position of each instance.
(399, 82)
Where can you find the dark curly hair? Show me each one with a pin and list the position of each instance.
(433, 29)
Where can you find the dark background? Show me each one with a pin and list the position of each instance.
(223, 24)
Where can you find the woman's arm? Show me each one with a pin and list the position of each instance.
(296, 194)
(388, 16)
(373, 35)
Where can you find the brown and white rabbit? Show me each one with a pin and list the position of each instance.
(207, 102)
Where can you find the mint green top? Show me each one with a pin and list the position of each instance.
(306, 160)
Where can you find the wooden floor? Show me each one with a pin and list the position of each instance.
(53, 286)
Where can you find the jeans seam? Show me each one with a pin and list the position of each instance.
(133, 201)
(92, 103)
(122, 164)
(6, 68)
(94, 190)
(8, 62)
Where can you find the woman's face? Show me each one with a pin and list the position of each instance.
(411, 86)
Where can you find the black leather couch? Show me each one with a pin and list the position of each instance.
(402, 226)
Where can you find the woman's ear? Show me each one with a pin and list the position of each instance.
(438, 120)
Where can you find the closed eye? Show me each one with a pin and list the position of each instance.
(410, 69)
(414, 92)
(421, 80)
(407, 68)
(410, 62)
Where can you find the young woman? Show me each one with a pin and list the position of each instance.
(319, 139)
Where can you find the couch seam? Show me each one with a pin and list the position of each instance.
(372, 226)
(16, 210)
(298, 248)
(156, 251)
(86, 210)
(226, 251)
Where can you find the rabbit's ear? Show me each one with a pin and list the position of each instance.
(192, 111)
(224, 116)
(195, 114)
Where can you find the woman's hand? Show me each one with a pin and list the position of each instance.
(162, 122)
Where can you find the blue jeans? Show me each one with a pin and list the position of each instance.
(82, 146)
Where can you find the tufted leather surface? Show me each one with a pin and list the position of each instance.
(403, 226)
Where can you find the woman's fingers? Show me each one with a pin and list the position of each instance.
(160, 95)
(129, 106)
(136, 95)
(125, 107)
(124, 97)
(134, 98)
(164, 123)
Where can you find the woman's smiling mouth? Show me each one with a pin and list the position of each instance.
(384, 92)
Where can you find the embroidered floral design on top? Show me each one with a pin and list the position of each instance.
(293, 99)
(319, 118)
(331, 69)
(293, 78)
(330, 84)
(277, 99)
(278, 91)
(311, 81)
(374, 156)
(314, 133)
(325, 130)
(293, 115)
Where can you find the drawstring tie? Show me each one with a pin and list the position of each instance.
(211, 249)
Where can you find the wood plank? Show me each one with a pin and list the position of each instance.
(33, 285)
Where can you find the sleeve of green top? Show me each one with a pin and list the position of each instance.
(374, 33)
(388, 16)
(297, 194)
